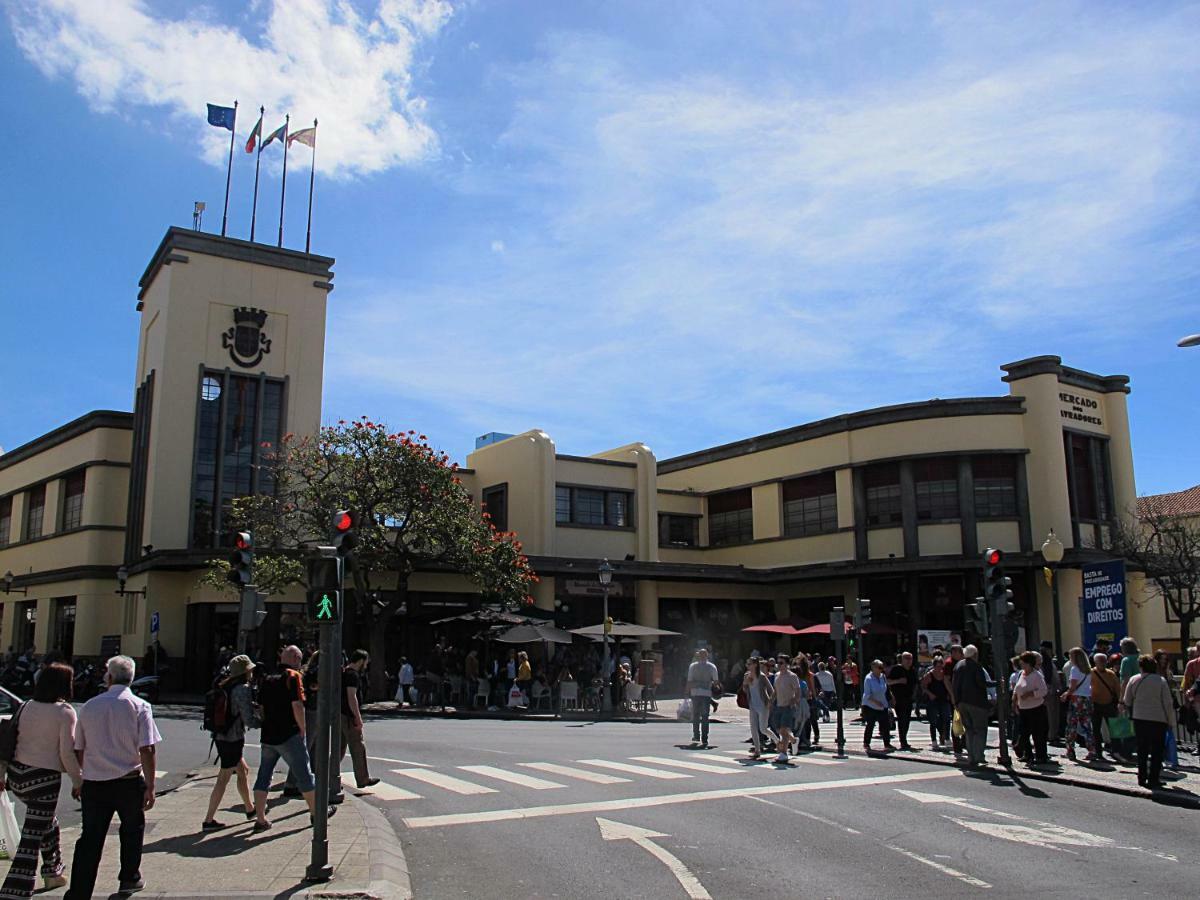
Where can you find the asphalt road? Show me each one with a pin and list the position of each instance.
(620, 810)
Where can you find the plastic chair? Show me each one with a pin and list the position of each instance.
(537, 693)
(633, 695)
(568, 695)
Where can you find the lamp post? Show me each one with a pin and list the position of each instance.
(1052, 552)
(605, 573)
(8, 585)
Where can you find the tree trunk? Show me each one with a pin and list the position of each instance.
(1185, 635)
(379, 622)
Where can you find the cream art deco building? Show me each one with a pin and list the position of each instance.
(893, 504)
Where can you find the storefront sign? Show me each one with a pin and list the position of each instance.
(927, 639)
(1077, 408)
(1103, 611)
(579, 587)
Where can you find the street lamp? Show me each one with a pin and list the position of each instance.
(1052, 552)
(606, 573)
(1192, 340)
(122, 577)
(8, 585)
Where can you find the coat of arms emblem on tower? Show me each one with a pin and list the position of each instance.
(246, 343)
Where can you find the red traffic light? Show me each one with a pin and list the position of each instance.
(993, 557)
(243, 541)
(343, 521)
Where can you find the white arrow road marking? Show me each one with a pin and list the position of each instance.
(603, 806)
(618, 831)
(945, 870)
(1047, 835)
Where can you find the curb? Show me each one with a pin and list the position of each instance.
(1166, 798)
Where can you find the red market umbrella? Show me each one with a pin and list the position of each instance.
(873, 628)
(779, 629)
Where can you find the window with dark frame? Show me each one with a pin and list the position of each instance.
(730, 518)
(593, 507)
(882, 484)
(936, 485)
(810, 505)
(35, 512)
(678, 531)
(995, 479)
(5, 520)
(1089, 478)
(495, 503)
(72, 509)
(237, 431)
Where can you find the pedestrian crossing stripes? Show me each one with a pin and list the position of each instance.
(688, 764)
(644, 771)
(578, 774)
(442, 780)
(537, 784)
(807, 759)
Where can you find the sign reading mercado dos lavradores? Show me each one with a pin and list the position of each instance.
(1103, 612)
(1079, 409)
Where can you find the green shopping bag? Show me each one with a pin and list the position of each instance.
(1120, 727)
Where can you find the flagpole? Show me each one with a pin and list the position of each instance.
(262, 111)
(312, 175)
(229, 170)
(287, 120)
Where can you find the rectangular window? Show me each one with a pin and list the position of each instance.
(5, 520)
(238, 426)
(72, 503)
(35, 510)
(596, 507)
(1091, 499)
(883, 494)
(495, 503)
(995, 480)
(810, 505)
(730, 518)
(936, 483)
(678, 531)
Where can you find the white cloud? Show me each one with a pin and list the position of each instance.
(497, 246)
(704, 256)
(310, 58)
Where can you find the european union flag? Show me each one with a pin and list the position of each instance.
(221, 116)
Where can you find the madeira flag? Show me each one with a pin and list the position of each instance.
(255, 136)
(276, 135)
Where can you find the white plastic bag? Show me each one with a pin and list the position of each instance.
(10, 832)
(684, 711)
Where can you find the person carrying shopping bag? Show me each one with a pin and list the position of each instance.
(45, 750)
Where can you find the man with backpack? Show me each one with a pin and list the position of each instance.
(281, 698)
(228, 712)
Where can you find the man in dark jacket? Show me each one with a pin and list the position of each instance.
(974, 706)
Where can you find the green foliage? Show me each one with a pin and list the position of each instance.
(413, 512)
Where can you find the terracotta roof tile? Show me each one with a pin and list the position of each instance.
(1180, 503)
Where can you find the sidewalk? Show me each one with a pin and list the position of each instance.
(1183, 786)
(181, 861)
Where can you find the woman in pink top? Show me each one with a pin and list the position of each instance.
(45, 749)
(1029, 703)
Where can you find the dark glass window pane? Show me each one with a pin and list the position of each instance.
(562, 504)
(936, 484)
(495, 501)
(73, 500)
(618, 508)
(205, 486)
(810, 515)
(678, 530)
(1084, 494)
(995, 480)
(589, 507)
(883, 505)
(730, 501)
(35, 510)
(733, 527)
(5, 520)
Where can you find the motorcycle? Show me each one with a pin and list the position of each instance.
(87, 682)
(146, 687)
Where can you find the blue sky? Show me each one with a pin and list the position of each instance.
(676, 222)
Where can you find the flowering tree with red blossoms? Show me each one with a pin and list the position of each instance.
(413, 514)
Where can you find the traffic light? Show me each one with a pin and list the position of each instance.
(977, 617)
(996, 585)
(324, 596)
(253, 610)
(241, 559)
(344, 534)
(864, 614)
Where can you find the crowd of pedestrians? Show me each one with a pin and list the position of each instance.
(1125, 703)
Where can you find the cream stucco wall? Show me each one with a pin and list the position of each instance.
(940, 540)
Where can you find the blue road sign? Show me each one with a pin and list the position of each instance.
(154, 623)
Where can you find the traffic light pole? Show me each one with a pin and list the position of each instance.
(319, 868)
(838, 644)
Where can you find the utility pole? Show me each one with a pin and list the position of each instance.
(325, 607)
(998, 600)
(837, 628)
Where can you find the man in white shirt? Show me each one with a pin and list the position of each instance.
(700, 678)
(114, 740)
